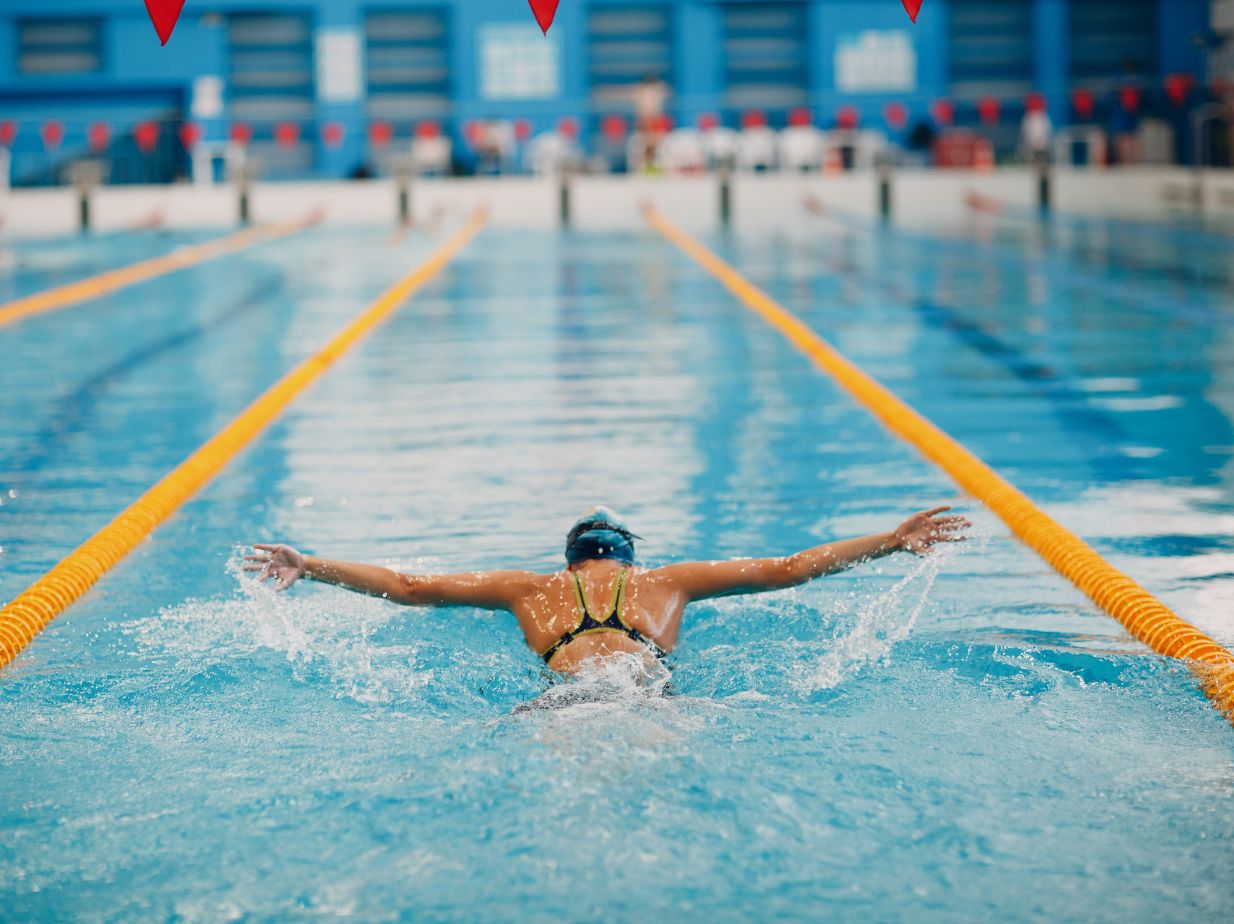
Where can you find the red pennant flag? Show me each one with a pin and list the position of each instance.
(1177, 86)
(164, 14)
(989, 110)
(241, 133)
(1084, 102)
(613, 128)
(99, 136)
(943, 111)
(474, 132)
(1034, 102)
(190, 134)
(848, 117)
(545, 11)
(912, 7)
(8, 132)
(522, 129)
(380, 133)
(1129, 97)
(147, 136)
(332, 134)
(567, 127)
(895, 115)
(53, 134)
(286, 134)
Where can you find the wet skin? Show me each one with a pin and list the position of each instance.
(654, 602)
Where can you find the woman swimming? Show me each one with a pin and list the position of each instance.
(601, 604)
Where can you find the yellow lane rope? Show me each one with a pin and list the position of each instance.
(1140, 612)
(51, 594)
(76, 292)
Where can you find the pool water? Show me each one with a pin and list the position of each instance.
(957, 737)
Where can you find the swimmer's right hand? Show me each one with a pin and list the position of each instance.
(281, 563)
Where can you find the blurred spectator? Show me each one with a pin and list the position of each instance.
(494, 143)
(921, 141)
(756, 150)
(1125, 122)
(649, 97)
(719, 143)
(845, 137)
(610, 149)
(1036, 132)
(650, 123)
(555, 151)
(682, 151)
(431, 150)
(801, 144)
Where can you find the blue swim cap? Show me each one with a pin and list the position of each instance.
(600, 533)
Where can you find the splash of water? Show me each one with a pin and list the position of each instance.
(882, 621)
(321, 636)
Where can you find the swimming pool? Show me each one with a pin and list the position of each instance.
(952, 738)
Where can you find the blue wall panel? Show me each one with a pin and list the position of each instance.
(1071, 42)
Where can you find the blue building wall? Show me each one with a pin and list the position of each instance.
(139, 80)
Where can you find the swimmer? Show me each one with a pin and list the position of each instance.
(601, 604)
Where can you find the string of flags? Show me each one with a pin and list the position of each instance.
(990, 111)
(164, 14)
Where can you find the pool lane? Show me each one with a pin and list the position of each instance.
(114, 280)
(102, 405)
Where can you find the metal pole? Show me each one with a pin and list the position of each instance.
(884, 187)
(85, 175)
(245, 217)
(726, 195)
(1044, 192)
(563, 196)
(1199, 121)
(404, 201)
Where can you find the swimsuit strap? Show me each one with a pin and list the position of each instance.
(614, 622)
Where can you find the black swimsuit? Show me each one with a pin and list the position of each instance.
(588, 624)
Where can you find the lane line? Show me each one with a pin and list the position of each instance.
(28, 613)
(1142, 614)
(181, 258)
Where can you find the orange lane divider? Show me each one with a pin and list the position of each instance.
(181, 258)
(45, 599)
(1140, 612)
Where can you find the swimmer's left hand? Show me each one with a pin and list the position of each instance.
(922, 531)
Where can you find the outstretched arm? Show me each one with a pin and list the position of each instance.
(492, 590)
(701, 579)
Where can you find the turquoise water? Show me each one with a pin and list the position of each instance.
(960, 737)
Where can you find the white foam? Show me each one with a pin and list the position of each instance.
(326, 633)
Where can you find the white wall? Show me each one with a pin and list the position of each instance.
(919, 196)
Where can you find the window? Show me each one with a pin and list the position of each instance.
(991, 49)
(624, 45)
(765, 55)
(517, 62)
(270, 81)
(1112, 41)
(47, 47)
(408, 63)
(270, 67)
